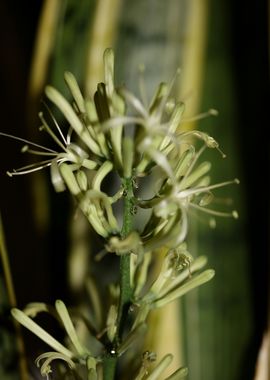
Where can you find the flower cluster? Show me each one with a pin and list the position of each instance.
(96, 142)
(115, 133)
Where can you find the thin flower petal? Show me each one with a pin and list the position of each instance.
(69, 327)
(192, 283)
(161, 367)
(27, 322)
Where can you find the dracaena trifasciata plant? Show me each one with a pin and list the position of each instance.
(117, 132)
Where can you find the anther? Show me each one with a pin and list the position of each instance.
(25, 148)
(213, 112)
(235, 214)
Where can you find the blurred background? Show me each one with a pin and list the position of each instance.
(222, 50)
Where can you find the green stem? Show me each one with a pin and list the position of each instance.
(125, 287)
(109, 367)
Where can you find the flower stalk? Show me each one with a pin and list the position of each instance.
(101, 148)
(125, 281)
(110, 361)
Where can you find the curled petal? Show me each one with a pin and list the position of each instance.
(34, 308)
(69, 179)
(48, 357)
(102, 172)
(56, 177)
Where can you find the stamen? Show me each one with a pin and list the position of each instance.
(168, 92)
(51, 133)
(173, 123)
(171, 84)
(203, 115)
(26, 148)
(134, 102)
(55, 121)
(221, 152)
(27, 142)
(204, 189)
(211, 222)
(69, 134)
(209, 211)
(30, 168)
(235, 214)
(209, 141)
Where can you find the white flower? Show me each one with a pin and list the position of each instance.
(68, 151)
(190, 190)
(72, 356)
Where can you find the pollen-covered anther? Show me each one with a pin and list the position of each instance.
(213, 112)
(235, 214)
(25, 148)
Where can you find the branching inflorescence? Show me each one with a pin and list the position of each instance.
(115, 132)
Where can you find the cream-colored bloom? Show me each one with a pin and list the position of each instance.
(72, 355)
(190, 190)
